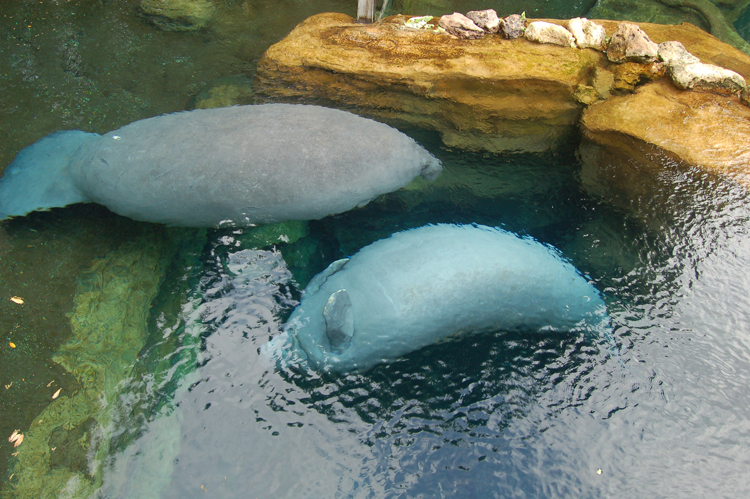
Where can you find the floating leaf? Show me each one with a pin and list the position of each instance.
(18, 442)
(14, 436)
(16, 299)
(12, 345)
(56, 394)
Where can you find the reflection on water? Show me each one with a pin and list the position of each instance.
(499, 415)
(490, 416)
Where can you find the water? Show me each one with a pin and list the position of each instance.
(500, 415)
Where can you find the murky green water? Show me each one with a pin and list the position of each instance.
(189, 409)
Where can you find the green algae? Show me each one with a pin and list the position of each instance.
(65, 448)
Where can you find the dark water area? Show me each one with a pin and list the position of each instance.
(660, 409)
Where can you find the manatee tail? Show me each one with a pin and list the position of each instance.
(39, 178)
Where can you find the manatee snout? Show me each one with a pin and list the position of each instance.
(431, 168)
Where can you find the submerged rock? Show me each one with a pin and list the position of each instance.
(707, 78)
(588, 34)
(235, 90)
(177, 15)
(629, 43)
(544, 32)
(461, 26)
(485, 19)
(513, 26)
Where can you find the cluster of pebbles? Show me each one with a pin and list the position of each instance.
(629, 43)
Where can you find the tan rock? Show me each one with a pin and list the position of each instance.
(496, 94)
(628, 75)
(604, 81)
(492, 94)
(698, 129)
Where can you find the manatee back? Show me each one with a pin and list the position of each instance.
(248, 164)
(421, 286)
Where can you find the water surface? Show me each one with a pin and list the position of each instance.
(664, 414)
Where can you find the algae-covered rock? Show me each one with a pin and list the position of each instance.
(267, 235)
(177, 15)
(64, 450)
(235, 90)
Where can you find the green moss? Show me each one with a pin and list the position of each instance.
(64, 450)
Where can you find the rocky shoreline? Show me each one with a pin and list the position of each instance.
(625, 85)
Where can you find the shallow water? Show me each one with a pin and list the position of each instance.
(498, 415)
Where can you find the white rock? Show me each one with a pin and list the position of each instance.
(674, 54)
(706, 77)
(542, 32)
(588, 34)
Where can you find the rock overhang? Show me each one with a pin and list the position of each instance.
(490, 93)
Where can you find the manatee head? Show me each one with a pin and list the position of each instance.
(431, 167)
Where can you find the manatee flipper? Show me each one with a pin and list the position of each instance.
(339, 320)
(317, 281)
(39, 177)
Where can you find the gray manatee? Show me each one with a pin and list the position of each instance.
(422, 286)
(231, 166)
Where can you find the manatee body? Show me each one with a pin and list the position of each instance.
(230, 166)
(424, 285)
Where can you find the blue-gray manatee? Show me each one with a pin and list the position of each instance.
(230, 166)
(425, 285)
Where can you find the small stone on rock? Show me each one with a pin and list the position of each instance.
(630, 43)
(485, 19)
(707, 78)
(513, 26)
(674, 54)
(588, 34)
(461, 26)
(542, 32)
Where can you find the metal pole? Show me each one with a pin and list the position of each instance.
(366, 11)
